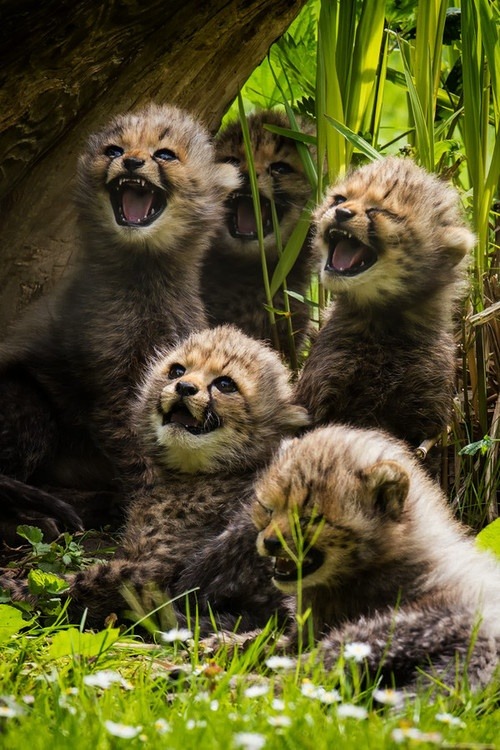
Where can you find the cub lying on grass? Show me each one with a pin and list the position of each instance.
(382, 561)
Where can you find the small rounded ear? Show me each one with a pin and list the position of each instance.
(294, 417)
(389, 483)
(458, 242)
(229, 178)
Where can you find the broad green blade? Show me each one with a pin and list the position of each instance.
(423, 137)
(292, 248)
(356, 140)
(256, 207)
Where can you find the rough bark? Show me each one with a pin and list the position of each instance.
(66, 66)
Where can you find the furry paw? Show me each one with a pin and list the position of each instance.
(24, 504)
(262, 643)
(229, 642)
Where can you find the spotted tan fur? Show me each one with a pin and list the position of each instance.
(232, 282)
(385, 356)
(69, 369)
(211, 412)
(384, 561)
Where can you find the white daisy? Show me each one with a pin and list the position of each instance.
(7, 712)
(105, 678)
(357, 651)
(389, 697)
(308, 689)
(401, 734)
(256, 691)
(280, 662)
(176, 634)
(10, 707)
(279, 721)
(193, 724)
(63, 702)
(202, 697)
(319, 693)
(453, 721)
(328, 696)
(162, 726)
(349, 711)
(124, 731)
(249, 740)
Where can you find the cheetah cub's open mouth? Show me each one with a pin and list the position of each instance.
(348, 256)
(241, 221)
(285, 569)
(135, 201)
(180, 415)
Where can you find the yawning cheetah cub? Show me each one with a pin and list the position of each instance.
(393, 242)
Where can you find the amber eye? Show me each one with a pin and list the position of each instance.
(176, 371)
(165, 154)
(225, 384)
(113, 151)
(281, 167)
(337, 199)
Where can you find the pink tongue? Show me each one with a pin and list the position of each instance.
(348, 254)
(245, 216)
(136, 205)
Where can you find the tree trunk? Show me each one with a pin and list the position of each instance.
(67, 66)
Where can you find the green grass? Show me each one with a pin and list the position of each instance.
(59, 693)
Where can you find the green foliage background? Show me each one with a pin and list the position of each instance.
(418, 78)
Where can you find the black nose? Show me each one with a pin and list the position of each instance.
(343, 214)
(132, 162)
(183, 388)
(273, 545)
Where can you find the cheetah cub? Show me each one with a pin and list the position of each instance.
(383, 560)
(211, 412)
(393, 242)
(232, 283)
(149, 194)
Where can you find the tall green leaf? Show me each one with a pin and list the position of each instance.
(424, 137)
